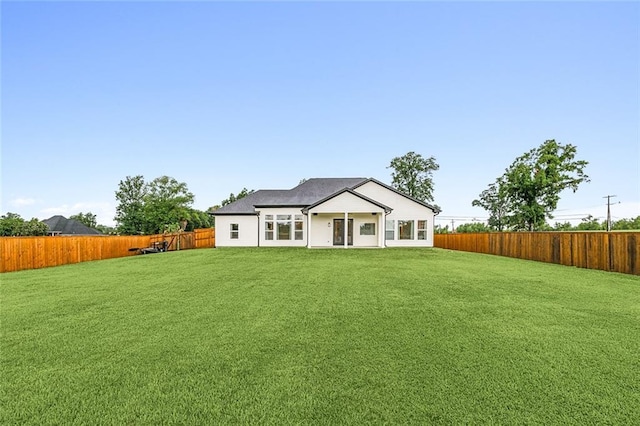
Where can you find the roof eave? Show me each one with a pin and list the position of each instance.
(275, 206)
(234, 213)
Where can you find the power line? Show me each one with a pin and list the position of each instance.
(608, 197)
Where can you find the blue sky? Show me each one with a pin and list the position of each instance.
(224, 95)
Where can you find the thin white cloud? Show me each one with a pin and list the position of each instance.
(21, 202)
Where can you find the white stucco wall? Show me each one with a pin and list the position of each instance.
(403, 209)
(322, 230)
(366, 240)
(247, 231)
(346, 202)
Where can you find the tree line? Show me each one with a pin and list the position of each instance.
(588, 223)
(523, 198)
(144, 208)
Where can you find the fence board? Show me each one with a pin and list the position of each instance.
(607, 251)
(20, 253)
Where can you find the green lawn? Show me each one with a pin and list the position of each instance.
(297, 336)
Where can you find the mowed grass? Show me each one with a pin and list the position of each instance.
(297, 336)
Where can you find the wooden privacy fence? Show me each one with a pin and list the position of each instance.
(19, 253)
(607, 251)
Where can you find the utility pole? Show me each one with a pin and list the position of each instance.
(453, 228)
(608, 197)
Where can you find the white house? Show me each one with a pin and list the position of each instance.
(327, 212)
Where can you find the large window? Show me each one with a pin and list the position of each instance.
(422, 229)
(299, 226)
(405, 229)
(284, 226)
(389, 230)
(235, 229)
(367, 229)
(268, 227)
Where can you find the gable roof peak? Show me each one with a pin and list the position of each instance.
(389, 187)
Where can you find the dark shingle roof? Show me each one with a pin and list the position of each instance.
(61, 225)
(312, 190)
(246, 205)
(307, 193)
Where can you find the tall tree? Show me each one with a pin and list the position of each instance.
(88, 219)
(413, 175)
(240, 195)
(166, 203)
(197, 219)
(130, 210)
(534, 181)
(494, 201)
(530, 188)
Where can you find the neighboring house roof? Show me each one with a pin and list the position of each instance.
(309, 193)
(61, 225)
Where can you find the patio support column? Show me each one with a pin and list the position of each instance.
(346, 229)
(380, 229)
(308, 229)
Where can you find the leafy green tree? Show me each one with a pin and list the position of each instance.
(475, 227)
(155, 207)
(565, 226)
(198, 220)
(413, 175)
(130, 195)
(590, 223)
(166, 202)
(530, 188)
(494, 201)
(240, 195)
(439, 229)
(88, 219)
(625, 224)
(107, 230)
(34, 227)
(545, 227)
(12, 225)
